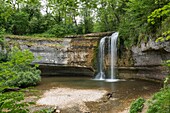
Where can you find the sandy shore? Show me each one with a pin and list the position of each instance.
(67, 97)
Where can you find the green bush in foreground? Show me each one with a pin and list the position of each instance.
(11, 102)
(160, 102)
(137, 105)
(17, 71)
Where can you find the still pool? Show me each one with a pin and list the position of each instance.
(123, 92)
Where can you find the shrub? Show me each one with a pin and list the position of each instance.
(17, 71)
(3, 56)
(11, 102)
(60, 30)
(1, 37)
(137, 105)
(160, 102)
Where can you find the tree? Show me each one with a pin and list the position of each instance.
(160, 19)
(109, 14)
(134, 26)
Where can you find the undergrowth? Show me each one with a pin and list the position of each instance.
(137, 105)
(160, 103)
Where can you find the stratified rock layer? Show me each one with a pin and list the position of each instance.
(145, 61)
(151, 53)
(61, 56)
(77, 55)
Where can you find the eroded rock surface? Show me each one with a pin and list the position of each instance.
(78, 55)
(145, 61)
(65, 51)
(151, 53)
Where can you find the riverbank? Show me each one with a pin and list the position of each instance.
(69, 98)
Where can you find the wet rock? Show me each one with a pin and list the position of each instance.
(56, 110)
(109, 95)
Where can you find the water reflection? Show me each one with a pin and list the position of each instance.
(134, 87)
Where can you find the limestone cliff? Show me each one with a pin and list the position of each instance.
(151, 53)
(64, 54)
(77, 55)
(145, 61)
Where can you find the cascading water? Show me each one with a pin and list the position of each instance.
(101, 74)
(112, 50)
(112, 55)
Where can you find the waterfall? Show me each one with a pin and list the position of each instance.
(112, 58)
(101, 74)
(112, 50)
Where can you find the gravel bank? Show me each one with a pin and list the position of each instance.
(67, 97)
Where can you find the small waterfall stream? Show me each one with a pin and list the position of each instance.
(112, 55)
(112, 50)
(101, 74)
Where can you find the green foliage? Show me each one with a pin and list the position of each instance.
(132, 18)
(167, 79)
(60, 30)
(5, 11)
(45, 35)
(137, 105)
(109, 14)
(159, 19)
(11, 103)
(3, 56)
(1, 37)
(17, 70)
(19, 23)
(50, 110)
(165, 37)
(165, 26)
(160, 102)
(159, 13)
(134, 26)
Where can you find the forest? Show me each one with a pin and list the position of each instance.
(135, 20)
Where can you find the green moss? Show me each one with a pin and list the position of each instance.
(32, 38)
(29, 41)
(94, 60)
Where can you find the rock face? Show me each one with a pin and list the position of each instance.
(63, 53)
(151, 53)
(145, 61)
(77, 56)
